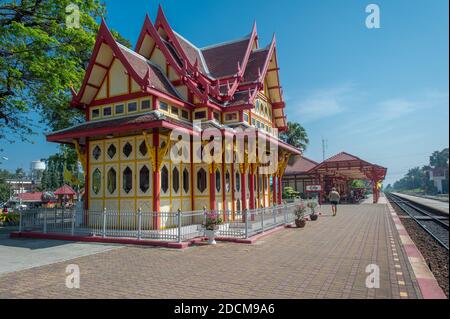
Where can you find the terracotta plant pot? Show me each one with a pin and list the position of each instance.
(300, 223)
(313, 216)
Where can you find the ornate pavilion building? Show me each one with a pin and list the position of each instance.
(133, 99)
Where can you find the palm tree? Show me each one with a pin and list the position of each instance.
(295, 135)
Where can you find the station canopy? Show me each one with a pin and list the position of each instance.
(345, 165)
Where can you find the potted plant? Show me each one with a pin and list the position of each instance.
(300, 215)
(211, 224)
(312, 206)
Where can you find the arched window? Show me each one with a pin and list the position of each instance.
(127, 149)
(218, 181)
(227, 181)
(111, 151)
(112, 183)
(201, 180)
(144, 179)
(96, 181)
(238, 181)
(164, 179)
(186, 180)
(127, 180)
(96, 152)
(175, 179)
(143, 148)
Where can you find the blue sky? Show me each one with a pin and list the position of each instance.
(381, 94)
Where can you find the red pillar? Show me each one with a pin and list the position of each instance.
(224, 191)
(280, 191)
(243, 190)
(233, 190)
(274, 189)
(252, 189)
(258, 190)
(156, 183)
(212, 189)
(87, 191)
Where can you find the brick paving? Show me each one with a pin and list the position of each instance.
(326, 259)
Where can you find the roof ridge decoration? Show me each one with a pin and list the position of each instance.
(204, 79)
(212, 46)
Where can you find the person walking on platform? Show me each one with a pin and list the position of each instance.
(334, 198)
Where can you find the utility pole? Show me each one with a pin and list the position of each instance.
(324, 147)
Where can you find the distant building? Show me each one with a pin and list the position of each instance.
(20, 186)
(310, 178)
(438, 176)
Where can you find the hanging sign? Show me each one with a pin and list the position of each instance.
(313, 188)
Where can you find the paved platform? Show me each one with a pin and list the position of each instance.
(19, 254)
(369, 199)
(435, 204)
(326, 259)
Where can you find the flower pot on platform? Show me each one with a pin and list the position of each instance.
(300, 223)
(313, 216)
(211, 234)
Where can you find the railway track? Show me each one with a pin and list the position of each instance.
(436, 225)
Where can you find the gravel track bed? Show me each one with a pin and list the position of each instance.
(435, 255)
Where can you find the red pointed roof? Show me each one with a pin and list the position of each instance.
(350, 166)
(342, 156)
(222, 60)
(65, 190)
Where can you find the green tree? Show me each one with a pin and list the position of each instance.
(40, 58)
(439, 159)
(4, 187)
(295, 135)
(357, 184)
(53, 175)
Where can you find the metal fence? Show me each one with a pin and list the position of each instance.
(167, 226)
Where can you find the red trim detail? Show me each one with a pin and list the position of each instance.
(243, 192)
(251, 187)
(212, 191)
(120, 129)
(156, 183)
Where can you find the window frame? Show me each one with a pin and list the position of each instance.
(149, 105)
(128, 107)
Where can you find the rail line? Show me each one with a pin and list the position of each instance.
(436, 225)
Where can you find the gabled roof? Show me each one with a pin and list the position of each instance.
(350, 166)
(223, 59)
(342, 156)
(30, 197)
(65, 190)
(302, 165)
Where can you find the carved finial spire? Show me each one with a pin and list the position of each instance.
(239, 67)
(147, 78)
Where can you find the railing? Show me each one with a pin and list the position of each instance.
(168, 226)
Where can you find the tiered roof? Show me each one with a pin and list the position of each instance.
(224, 75)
